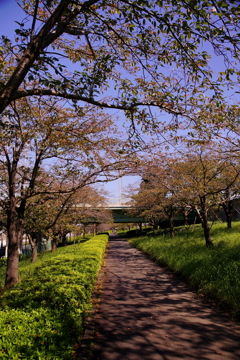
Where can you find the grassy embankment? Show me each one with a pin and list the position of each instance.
(42, 316)
(214, 272)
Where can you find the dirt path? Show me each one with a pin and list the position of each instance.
(147, 314)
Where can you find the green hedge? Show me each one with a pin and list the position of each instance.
(42, 316)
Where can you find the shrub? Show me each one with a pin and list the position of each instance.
(42, 316)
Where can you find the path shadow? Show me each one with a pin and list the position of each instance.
(148, 314)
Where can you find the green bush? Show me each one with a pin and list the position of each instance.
(42, 316)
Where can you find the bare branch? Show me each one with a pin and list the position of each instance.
(46, 92)
(34, 19)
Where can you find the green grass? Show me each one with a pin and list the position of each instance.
(214, 271)
(42, 317)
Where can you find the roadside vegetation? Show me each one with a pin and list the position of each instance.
(214, 271)
(42, 316)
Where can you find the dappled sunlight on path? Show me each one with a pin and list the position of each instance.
(148, 314)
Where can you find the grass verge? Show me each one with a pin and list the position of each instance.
(214, 271)
(42, 316)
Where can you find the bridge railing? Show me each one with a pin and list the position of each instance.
(117, 202)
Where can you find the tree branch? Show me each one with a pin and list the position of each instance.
(34, 19)
(47, 92)
(38, 43)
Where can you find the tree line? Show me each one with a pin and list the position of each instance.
(199, 179)
(72, 63)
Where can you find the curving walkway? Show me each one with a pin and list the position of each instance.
(148, 314)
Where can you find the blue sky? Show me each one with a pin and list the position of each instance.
(9, 12)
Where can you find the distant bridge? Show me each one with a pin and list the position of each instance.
(119, 209)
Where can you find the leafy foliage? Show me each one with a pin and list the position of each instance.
(196, 178)
(47, 153)
(42, 316)
(150, 51)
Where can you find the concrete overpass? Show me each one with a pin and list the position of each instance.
(119, 209)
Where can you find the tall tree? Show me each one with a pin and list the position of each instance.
(155, 200)
(49, 213)
(36, 220)
(84, 206)
(151, 51)
(202, 178)
(197, 178)
(147, 204)
(44, 144)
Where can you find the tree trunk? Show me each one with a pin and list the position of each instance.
(20, 245)
(229, 222)
(207, 235)
(34, 253)
(12, 259)
(54, 244)
(185, 216)
(15, 224)
(204, 220)
(64, 240)
(203, 215)
(33, 238)
(228, 208)
(30, 54)
(171, 225)
(13, 244)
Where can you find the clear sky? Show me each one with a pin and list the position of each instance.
(9, 12)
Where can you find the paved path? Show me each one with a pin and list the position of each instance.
(147, 314)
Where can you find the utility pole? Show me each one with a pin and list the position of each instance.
(120, 186)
